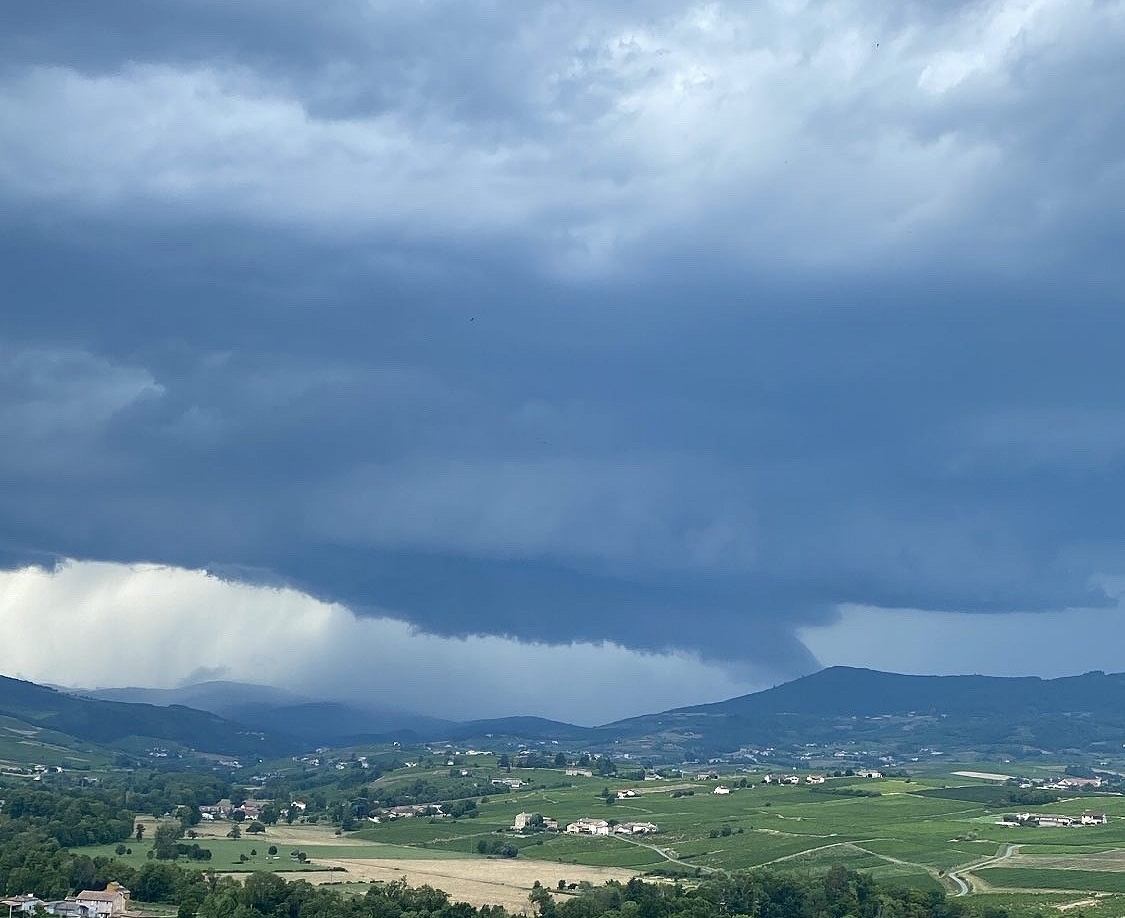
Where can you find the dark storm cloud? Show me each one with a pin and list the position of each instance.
(674, 328)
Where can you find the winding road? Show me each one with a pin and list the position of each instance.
(964, 887)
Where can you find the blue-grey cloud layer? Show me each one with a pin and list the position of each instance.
(673, 326)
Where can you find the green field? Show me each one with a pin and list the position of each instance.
(1031, 878)
(913, 833)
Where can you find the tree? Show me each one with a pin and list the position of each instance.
(235, 832)
(272, 850)
(164, 840)
(542, 900)
(189, 815)
(140, 831)
(505, 762)
(560, 760)
(255, 828)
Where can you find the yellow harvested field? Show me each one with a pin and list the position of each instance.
(476, 881)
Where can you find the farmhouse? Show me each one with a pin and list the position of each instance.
(781, 779)
(416, 809)
(525, 822)
(579, 772)
(113, 900)
(1053, 820)
(587, 826)
(626, 794)
(67, 908)
(24, 903)
(814, 779)
(721, 789)
(1068, 783)
(637, 828)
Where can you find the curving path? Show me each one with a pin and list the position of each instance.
(965, 886)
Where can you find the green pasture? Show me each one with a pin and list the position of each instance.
(913, 832)
(1034, 878)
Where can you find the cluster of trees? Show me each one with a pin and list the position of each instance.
(166, 844)
(763, 894)
(846, 790)
(430, 790)
(159, 792)
(93, 816)
(496, 847)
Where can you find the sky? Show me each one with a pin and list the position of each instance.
(439, 352)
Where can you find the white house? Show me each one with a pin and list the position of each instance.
(587, 826)
(1094, 818)
(637, 828)
(721, 789)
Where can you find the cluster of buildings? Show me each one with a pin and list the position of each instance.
(224, 809)
(90, 903)
(792, 779)
(588, 826)
(1054, 820)
(410, 810)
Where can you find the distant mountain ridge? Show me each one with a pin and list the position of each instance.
(846, 690)
(835, 705)
(843, 703)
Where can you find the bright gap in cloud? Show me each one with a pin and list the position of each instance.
(162, 626)
(1047, 644)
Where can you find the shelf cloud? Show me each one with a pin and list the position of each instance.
(647, 333)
